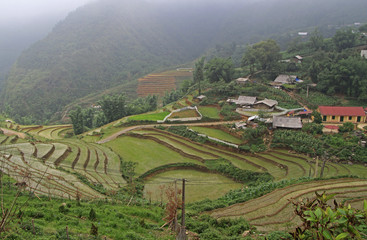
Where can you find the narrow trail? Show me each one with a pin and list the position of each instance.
(128, 129)
(8, 132)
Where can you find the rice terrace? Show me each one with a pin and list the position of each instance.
(186, 120)
(57, 166)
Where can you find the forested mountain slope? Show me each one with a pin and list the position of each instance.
(109, 43)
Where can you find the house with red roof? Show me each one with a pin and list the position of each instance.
(333, 114)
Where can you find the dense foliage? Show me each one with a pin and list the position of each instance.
(111, 108)
(345, 147)
(323, 221)
(38, 217)
(185, 132)
(226, 168)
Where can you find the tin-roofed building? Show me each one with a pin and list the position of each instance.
(287, 122)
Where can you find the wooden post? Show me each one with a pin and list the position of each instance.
(316, 166)
(182, 233)
(34, 231)
(322, 168)
(67, 233)
(175, 225)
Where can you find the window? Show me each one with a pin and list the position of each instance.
(350, 118)
(324, 118)
(333, 117)
(359, 119)
(342, 118)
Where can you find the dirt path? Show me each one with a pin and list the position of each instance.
(115, 135)
(8, 132)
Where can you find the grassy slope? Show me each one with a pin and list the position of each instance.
(210, 112)
(273, 211)
(216, 133)
(199, 186)
(114, 221)
(148, 154)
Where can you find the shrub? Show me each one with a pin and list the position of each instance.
(278, 235)
(92, 215)
(347, 127)
(312, 128)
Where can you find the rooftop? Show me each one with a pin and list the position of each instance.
(268, 102)
(287, 122)
(341, 111)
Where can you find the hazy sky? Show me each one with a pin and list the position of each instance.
(27, 10)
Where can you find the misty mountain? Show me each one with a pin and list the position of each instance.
(108, 43)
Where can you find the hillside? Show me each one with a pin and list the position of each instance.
(108, 43)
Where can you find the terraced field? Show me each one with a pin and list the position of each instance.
(217, 133)
(280, 163)
(159, 84)
(154, 84)
(49, 132)
(274, 211)
(70, 167)
(201, 185)
(40, 163)
(18, 161)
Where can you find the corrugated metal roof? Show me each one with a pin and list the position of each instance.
(287, 122)
(268, 102)
(245, 100)
(285, 78)
(341, 111)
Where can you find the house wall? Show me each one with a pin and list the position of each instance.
(261, 106)
(338, 119)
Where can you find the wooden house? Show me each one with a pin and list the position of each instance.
(266, 104)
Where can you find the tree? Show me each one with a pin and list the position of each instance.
(88, 116)
(314, 71)
(77, 120)
(363, 28)
(113, 107)
(316, 39)
(249, 59)
(219, 69)
(344, 39)
(265, 54)
(199, 72)
(316, 117)
(346, 127)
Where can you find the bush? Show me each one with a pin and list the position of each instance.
(347, 127)
(278, 235)
(312, 128)
(92, 215)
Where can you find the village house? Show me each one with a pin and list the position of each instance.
(244, 101)
(297, 59)
(201, 97)
(364, 53)
(285, 79)
(266, 104)
(242, 81)
(342, 114)
(287, 122)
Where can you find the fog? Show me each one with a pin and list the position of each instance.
(19, 11)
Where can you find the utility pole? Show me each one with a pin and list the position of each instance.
(325, 158)
(316, 166)
(182, 233)
(308, 86)
(175, 225)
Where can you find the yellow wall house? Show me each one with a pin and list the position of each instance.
(342, 114)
